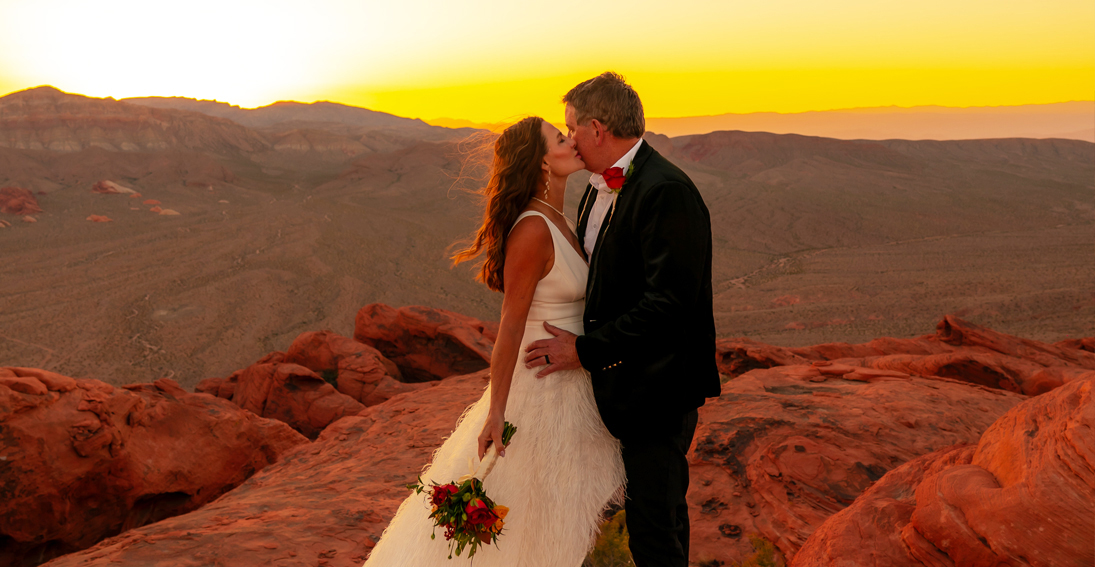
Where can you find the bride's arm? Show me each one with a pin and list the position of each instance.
(529, 257)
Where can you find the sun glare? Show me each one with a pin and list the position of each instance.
(243, 52)
(490, 60)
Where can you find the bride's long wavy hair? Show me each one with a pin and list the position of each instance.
(515, 174)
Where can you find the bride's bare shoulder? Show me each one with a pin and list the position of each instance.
(530, 240)
(533, 228)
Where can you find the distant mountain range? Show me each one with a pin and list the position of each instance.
(45, 118)
(1073, 120)
(284, 112)
(1069, 120)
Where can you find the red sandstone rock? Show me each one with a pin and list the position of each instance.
(108, 187)
(785, 301)
(427, 344)
(99, 218)
(1023, 496)
(979, 367)
(869, 531)
(878, 347)
(777, 454)
(738, 356)
(357, 370)
(29, 218)
(959, 350)
(1085, 344)
(957, 332)
(152, 202)
(331, 501)
(156, 210)
(83, 460)
(18, 201)
(287, 392)
(323, 504)
(785, 448)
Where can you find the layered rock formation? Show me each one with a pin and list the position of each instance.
(83, 460)
(108, 187)
(1022, 496)
(323, 504)
(324, 377)
(784, 448)
(359, 370)
(778, 456)
(958, 349)
(286, 392)
(18, 201)
(45, 118)
(427, 344)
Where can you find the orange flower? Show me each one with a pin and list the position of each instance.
(501, 512)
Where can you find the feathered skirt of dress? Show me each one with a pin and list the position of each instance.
(561, 470)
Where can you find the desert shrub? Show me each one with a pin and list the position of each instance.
(611, 549)
(764, 553)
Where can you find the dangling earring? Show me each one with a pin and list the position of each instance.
(547, 187)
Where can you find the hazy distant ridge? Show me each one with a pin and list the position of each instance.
(1070, 120)
(284, 111)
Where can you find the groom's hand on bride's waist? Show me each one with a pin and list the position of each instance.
(556, 353)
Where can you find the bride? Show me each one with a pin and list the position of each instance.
(562, 467)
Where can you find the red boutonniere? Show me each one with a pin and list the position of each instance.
(615, 177)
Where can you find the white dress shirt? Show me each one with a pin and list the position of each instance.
(605, 199)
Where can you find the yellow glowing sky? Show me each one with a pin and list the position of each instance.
(492, 60)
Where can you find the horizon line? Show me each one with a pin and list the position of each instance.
(841, 109)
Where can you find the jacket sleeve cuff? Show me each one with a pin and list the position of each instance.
(593, 354)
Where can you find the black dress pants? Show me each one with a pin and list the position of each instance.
(656, 509)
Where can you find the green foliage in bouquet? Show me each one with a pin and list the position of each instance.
(462, 508)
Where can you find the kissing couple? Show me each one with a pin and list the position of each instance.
(605, 349)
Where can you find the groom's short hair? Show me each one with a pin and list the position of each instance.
(609, 99)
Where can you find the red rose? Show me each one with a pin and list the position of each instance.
(441, 493)
(614, 177)
(480, 514)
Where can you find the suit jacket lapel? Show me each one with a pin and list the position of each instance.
(641, 156)
(584, 208)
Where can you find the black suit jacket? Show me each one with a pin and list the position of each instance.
(649, 339)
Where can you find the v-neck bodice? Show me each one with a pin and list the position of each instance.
(560, 295)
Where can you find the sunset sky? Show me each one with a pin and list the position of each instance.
(492, 60)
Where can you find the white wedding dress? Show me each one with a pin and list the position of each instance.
(561, 469)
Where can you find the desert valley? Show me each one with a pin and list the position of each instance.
(231, 336)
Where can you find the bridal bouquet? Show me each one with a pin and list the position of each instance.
(462, 507)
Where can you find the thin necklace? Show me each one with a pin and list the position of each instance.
(549, 206)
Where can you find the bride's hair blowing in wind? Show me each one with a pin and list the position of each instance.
(515, 175)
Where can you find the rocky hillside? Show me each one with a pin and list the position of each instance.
(45, 118)
(816, 240)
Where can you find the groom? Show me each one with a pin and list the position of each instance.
(649, 341)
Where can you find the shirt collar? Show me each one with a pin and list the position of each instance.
(598, 180)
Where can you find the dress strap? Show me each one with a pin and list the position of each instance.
(551, 226)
